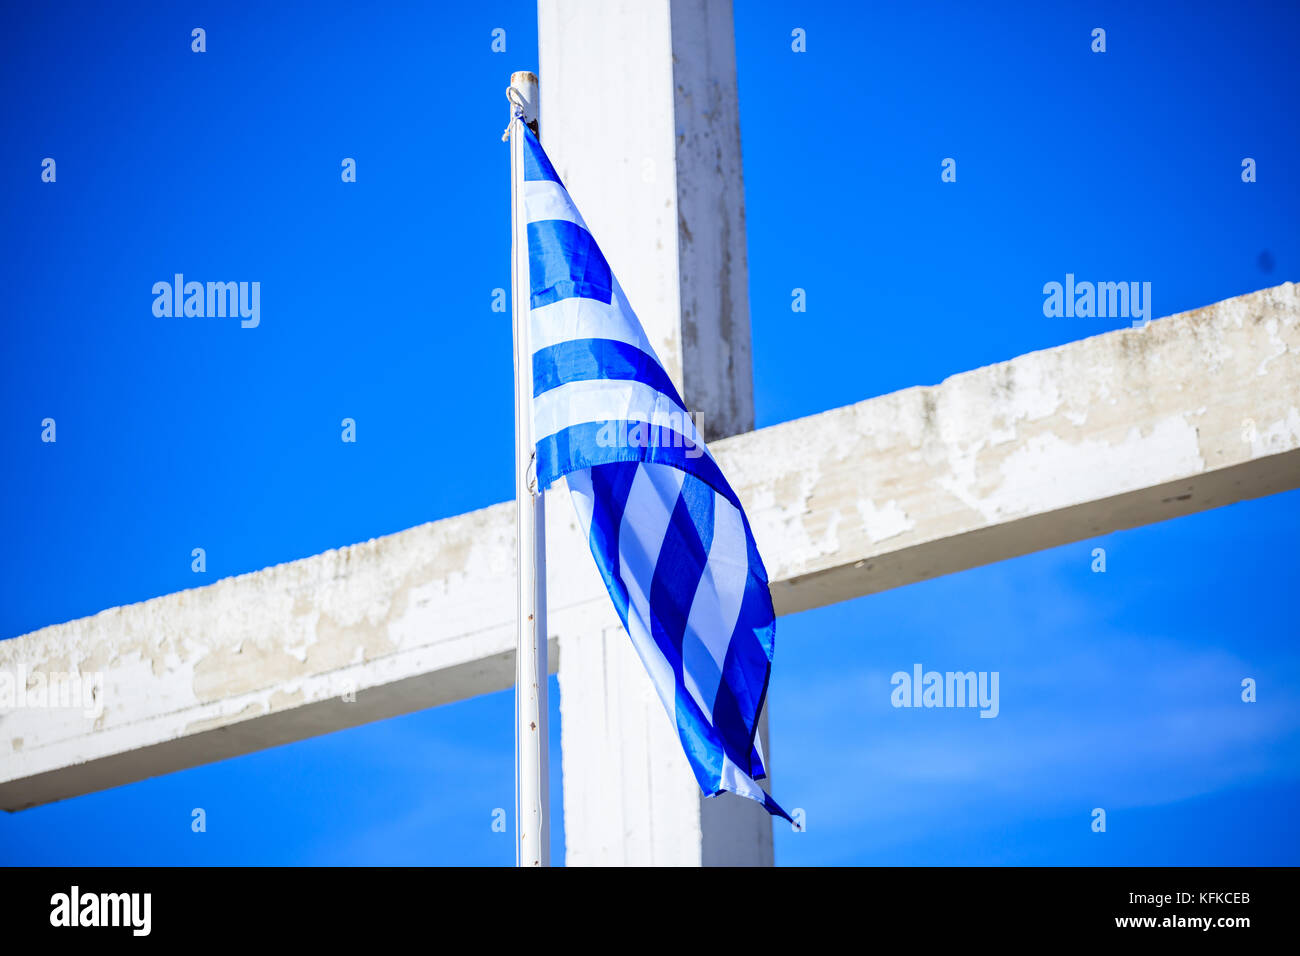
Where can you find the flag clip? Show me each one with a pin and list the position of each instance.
(517, 110)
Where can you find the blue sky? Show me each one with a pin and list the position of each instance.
(1118, 690)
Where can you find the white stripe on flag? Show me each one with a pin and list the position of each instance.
(599, 400)
(650, 504)
(579, 483)
(716, 606)
(544, 199)
(567, 320)
(737, 781)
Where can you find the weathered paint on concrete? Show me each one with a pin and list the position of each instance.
(398, 623)
(1128, 428)
(1196, 411)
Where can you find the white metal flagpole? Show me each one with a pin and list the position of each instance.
(532, 772)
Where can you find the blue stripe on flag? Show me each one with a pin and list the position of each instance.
(738, 704)
(678, 571)
(682, 557)
(702, 750)
(564, 262)
(588, 444)
(537, 165)
(610, 486)
(677, 578)
(583, 360)
(774, 808)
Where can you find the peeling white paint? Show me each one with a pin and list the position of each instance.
(1279, 346)
(1278, 435)
(1050, 472)
(883, 523)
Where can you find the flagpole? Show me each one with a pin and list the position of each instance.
(532, 785)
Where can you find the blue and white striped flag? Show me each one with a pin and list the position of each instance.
(666, 530)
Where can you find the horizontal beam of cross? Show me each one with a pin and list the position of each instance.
(1123, 429)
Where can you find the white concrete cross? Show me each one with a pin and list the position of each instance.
(1197, 410)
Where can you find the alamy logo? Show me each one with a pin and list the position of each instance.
(215, 300)
(948, 689)
(1100, 300)
(674, 432)
(58, 690)
(103, 909)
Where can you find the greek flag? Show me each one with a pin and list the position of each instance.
(666, 530)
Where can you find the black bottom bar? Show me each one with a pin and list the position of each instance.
(334, 906)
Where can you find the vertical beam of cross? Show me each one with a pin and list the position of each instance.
(641, 121)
